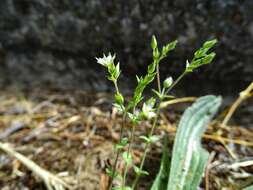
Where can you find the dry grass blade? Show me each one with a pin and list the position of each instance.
(51, 181)
(177, 100)
(243, 95)
(242, 164)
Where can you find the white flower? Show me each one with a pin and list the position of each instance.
(148, 111)
(106, 60)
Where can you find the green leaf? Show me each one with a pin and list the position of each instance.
(134, 118)
(151, 102)
(127, 158)
(169, 47)
(151, 68)
(142, 83)
(122, 144)
(140, 172)
(201, 57)
(120, 108)
(151, 139)
(161, 180)
(209, 44)
(158, 94)
(188, 157)
(109, 172)
(154, 138)
(144, 138)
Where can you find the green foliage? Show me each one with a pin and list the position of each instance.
(249, 188)
(122, 188)
(201, 57)
(138, 171)
(128, 158)
(122, 144)
(188, 157)
(161, 180)
(151, 139)
(138, 109)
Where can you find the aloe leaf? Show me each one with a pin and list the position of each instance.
(189, 158)
(161, 180)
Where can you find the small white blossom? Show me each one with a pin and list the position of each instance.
(148, 111)
(106, 60)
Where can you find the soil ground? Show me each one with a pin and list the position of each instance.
(71, 134)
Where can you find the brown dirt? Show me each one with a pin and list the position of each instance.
(72, 134)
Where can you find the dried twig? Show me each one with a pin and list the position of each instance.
(51, 181)
(243, 95)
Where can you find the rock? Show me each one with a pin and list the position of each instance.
(55, 41)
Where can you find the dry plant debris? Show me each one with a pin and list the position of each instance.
(71, 134)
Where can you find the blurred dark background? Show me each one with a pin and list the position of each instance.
(55, 42)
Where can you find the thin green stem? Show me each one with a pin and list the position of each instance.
(128, 151)
(147, 147)
(152, 130)
(118, 151)
(120, 139)
(175, 83)
(158, 77)
(116, 86)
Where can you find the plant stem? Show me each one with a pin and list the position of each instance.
(158, 77)
(116, 86)
(153, 128)
(176, 82)
(118, 151)
(128, 151)
(121, 136)
(147, 147)
(133, 128)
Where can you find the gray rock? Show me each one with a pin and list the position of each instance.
(55, 41)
